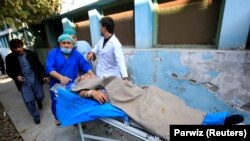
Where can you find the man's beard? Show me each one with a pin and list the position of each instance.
(20, 53)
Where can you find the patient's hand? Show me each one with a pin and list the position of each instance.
(64, 80)
(100, 96)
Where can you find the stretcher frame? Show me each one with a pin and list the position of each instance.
(124, 126)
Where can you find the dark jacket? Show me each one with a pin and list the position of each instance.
(13, 68)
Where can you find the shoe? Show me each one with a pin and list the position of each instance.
(40, 105)
(37, 120)
(233, 119)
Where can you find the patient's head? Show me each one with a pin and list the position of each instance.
(84, 77)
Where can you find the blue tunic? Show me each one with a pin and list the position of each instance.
(56, 61)
(67, 66)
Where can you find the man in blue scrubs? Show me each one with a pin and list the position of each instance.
(63, 64)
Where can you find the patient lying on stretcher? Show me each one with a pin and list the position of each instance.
(99, 95)
(152, 108)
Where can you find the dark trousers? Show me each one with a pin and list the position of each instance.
(31, 93)
(31, 106)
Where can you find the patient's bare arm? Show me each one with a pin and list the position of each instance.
(98, 95)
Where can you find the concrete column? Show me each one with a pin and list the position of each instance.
(235, 24)
(94, 18)
(143, 23)
(67, 24)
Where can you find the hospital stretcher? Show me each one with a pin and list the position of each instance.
(130, 129)
(72, 109)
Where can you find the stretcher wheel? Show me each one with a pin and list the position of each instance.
(108, 129)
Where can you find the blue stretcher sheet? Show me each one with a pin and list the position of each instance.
(72, 109)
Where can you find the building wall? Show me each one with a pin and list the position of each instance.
(210, 80)
(4, 44)
(83, 31)
(124, 27)
(188, 22)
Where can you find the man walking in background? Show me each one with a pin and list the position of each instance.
(24, 67)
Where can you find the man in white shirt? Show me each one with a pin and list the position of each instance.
(111, 60)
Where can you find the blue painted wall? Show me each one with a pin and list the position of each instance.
(235, 24)
(166, 69)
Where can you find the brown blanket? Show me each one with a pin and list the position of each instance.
(151, 107)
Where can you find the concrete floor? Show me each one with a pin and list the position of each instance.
(46, 130)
